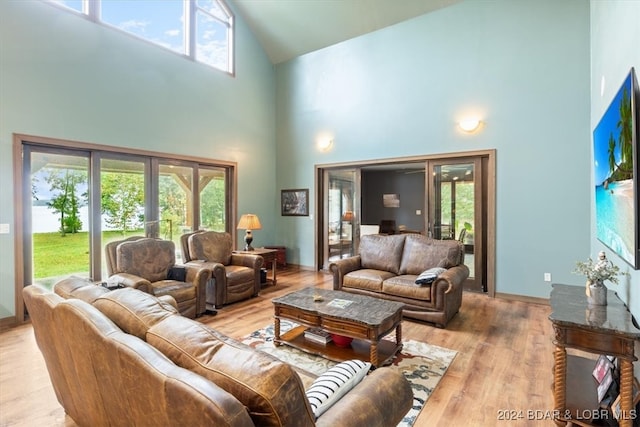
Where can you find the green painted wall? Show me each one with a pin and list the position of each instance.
(522, 65)
(65, 77)
(615, 37)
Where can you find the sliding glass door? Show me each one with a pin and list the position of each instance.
(122, 200)
(76, 200)
(56, 192)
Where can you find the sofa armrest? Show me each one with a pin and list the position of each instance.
(253, 262)
(198, 275)
(454, 277)
(446, 292)
(341, 267)
(247, 260)
(130, 281)
(381, 399)
(218, 276)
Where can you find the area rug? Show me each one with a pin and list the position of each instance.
(422, 364)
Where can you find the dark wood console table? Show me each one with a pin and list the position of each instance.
(608, 330)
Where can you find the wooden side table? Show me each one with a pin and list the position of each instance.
(605, 330)
(281, 255)
(269, 256)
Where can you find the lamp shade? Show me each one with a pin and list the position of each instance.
(249, 222)
(347, 216)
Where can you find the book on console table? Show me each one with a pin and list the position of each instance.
(317, 335)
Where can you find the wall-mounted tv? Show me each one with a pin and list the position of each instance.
(615, 152)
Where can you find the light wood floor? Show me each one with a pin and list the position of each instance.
(504, 360)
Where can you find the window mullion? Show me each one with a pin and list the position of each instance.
(92, 9)
(190, 28)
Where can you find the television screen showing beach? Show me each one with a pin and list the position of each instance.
(613, 152)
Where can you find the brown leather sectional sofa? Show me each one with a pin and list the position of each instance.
(125, 357)
(387, 266)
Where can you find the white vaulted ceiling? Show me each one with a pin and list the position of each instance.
(290, 28)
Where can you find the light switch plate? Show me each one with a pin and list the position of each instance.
(4, 228)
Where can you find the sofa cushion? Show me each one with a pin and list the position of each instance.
(147, 258)
(134, 311)
(429, 275)
(211, 246)
(80, 288)
(368, 279)
(422, 252)
(329, 387)
(404, 286)
(380, 252)
(239, 274)
(180, 291)
(270, 389)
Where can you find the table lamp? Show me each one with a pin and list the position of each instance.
(249, 222)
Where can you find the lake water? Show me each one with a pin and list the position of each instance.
(45, 221)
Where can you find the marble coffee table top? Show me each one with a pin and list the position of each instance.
(338, 304)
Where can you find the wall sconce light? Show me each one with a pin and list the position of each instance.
(470, 125)
(325, 144)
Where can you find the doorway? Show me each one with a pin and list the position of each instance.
(343, 209)
(455, 203)
(449, 196)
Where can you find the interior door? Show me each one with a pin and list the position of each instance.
(342, 214)
(455, 206)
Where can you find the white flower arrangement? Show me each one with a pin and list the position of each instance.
(598, 272)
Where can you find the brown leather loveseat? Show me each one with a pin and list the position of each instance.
(389, 266)
(125, 357)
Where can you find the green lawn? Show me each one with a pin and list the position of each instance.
(55, 255)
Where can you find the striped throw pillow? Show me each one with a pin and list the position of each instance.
(329, 387)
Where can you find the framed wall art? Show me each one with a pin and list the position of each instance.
(295, 202)
(615, 162)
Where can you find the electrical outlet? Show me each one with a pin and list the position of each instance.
(547, 277)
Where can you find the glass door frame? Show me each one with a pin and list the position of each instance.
(326, 217)
(431, 199)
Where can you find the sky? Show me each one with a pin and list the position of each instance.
(606, 127)
(158, 21)
(162, 22)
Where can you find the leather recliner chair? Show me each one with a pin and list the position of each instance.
(234, 277)
(147, 264)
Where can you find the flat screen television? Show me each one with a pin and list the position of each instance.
(615, 160)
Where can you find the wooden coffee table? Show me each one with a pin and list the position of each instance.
(366, 319)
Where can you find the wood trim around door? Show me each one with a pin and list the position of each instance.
(488, 158)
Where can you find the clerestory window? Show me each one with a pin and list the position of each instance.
(198, 29)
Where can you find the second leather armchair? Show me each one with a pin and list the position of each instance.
(234, 277)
